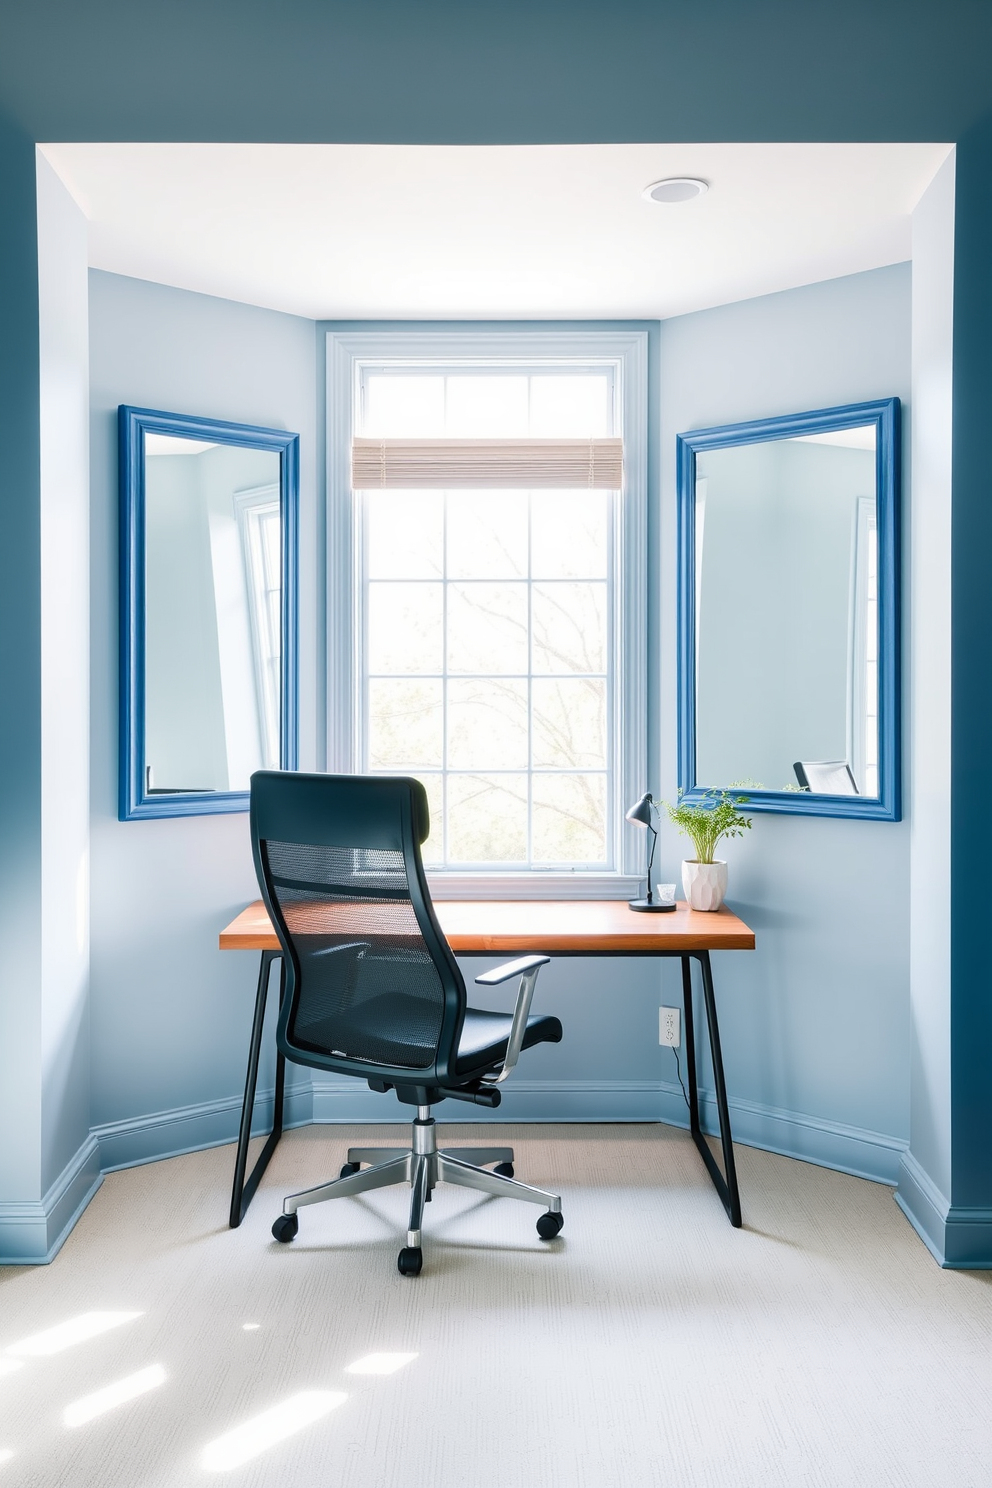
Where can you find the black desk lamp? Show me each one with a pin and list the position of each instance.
(640, 814)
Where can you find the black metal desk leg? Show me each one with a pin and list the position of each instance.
(690, 1046)
(244, 1190)
(726, 1186)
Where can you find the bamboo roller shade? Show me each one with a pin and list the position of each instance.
(444, 464)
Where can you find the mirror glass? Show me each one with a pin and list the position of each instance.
(209, 524)
(788, 594)
(213, 596)
(787, 614)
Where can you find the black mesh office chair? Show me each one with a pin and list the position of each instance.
(372, 988)
(826, 777)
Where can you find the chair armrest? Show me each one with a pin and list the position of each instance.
(510, 968)
(527, 967)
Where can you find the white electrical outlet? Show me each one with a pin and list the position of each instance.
(669, 1027)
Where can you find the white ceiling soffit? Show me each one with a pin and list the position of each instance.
(529, 231)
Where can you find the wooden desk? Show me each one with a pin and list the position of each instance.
(567, 927)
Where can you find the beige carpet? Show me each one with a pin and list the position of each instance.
(650, 1345)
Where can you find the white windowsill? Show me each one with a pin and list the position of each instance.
(448, 885)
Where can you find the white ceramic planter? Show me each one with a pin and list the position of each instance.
(704, 884)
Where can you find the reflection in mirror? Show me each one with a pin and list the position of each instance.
(787, 627)
(207, 509)
(212, 601)
(784, 563)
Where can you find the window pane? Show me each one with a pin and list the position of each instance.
(487, 724)
(576, 406)
(570, 818)
(569, 534)
(569, 621)
(487, 818)
(487, 534)
(570, 724)
(404, 627)
(487, 628)
(871, 682)
(411, 406)
(488, 621)
(405, 724)
(871, 631)
(480, 406)
(405, 534)
(270, 528)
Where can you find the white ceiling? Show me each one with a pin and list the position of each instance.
(465, 232)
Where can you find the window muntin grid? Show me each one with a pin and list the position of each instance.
(510, 727)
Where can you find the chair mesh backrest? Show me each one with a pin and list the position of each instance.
(367, 987)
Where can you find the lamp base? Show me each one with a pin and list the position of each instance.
(650, 906)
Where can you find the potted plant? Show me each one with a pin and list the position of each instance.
(704, 878)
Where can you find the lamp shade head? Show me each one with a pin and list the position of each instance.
(640, 812)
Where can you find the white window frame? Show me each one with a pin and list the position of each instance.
(249, 506)
(349, 351)
(865, 541)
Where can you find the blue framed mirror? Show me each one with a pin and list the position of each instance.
(789, 611)
(208, 611)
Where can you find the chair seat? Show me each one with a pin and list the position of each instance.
(485, 1036)
(392, 1024)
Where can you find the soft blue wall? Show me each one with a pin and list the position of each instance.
(795, 1088)
(65, 693)
(170, 1013)
(47, 1159)
(925, 1179)
(815, 1023)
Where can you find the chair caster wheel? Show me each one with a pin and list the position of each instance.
(410, 1260)
(549, 1225)
(348, 1169)
(285, 1228)
(505, 1170)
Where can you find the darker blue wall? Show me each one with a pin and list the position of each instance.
(496, 70)
(520, 71)
(971, 673)
(20, 591)
(20, 654)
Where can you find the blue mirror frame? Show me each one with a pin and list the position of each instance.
(133, 423)
(885, 415)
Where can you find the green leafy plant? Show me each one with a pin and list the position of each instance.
(716, 816)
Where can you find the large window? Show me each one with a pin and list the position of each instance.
(492, 652)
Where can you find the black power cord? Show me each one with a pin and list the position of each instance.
(678, 1071)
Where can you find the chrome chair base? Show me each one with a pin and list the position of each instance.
(423, 1165)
